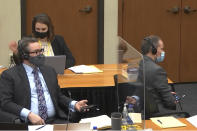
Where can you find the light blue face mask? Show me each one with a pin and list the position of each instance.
(161, 58)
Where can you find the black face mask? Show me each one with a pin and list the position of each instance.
(37, 60)
(41, 34)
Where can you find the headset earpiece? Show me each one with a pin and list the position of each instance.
(154, 49)
(21, 51)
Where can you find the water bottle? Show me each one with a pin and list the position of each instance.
(124, 115)
(130, 108)
(126, 120)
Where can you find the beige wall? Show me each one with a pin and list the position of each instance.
(10, 27)
(110, 31)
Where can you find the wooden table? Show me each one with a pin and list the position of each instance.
(170, 81)
(2, 69)
(72, 126)
(103, 79)
(150, 124)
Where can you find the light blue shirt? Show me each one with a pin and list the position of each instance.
(34, 100)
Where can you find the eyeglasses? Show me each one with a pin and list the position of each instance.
(37, 51)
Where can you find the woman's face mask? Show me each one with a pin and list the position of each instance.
(41, 30)
(41, 34)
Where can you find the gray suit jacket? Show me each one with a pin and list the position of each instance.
(15, 91)
(156, 83)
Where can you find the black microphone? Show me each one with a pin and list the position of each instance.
(69, 93)
(116, 89)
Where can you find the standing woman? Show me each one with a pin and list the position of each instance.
(43, 30)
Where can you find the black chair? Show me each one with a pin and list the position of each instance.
(9, 121)
(13, 127)
(152, 110)
(6, 117)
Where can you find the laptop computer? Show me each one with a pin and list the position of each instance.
(57, 62)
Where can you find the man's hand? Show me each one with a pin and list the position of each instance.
(35, 119)
(176, 100)
(13, 47)
(80, 104)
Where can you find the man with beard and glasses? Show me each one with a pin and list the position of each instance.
(30, 92)
(43, 30)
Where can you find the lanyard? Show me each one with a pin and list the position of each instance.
(47, 50)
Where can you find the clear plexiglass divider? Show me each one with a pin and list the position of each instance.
(129, 83)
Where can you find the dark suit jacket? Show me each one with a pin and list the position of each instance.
(15, 91)
(59, 48)
(156, 83)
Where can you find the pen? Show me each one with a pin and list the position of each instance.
(40, 127)
(159, 121)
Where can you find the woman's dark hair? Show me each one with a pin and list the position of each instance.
(44, 19)
(150, 43)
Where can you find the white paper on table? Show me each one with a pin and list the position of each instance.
(101, 122)
(193, 120)
(45, 128)
(85, 69)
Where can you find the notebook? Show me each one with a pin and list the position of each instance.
(167, 122)
(57, 62)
